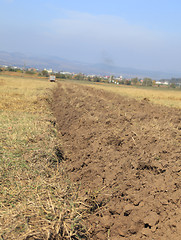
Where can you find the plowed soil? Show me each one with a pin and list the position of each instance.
(128, 154)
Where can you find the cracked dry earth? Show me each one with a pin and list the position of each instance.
(129, 154)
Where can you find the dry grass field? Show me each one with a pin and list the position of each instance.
(161, 96)
(42, 159)
(37, 200)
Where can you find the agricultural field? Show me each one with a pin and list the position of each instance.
(162, 96)
(37, 199)
(126, 152)
(81, 161)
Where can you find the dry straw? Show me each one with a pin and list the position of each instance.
(37, 201)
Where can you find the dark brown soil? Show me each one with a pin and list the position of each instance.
(128, 155)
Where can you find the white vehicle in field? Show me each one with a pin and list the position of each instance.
(52, 78)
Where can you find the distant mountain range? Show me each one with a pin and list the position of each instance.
(61, 64)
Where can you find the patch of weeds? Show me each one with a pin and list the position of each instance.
(95, 201)
(59, 153)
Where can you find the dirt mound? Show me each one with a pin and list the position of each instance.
(127, 154)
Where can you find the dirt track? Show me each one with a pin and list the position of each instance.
(129, 154)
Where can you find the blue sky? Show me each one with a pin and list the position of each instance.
(143, 34)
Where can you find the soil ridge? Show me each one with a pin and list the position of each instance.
(127, 153)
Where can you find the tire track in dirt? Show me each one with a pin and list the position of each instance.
(127, 153)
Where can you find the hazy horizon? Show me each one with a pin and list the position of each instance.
(135, 34)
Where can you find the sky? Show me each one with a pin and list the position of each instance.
(141, 34)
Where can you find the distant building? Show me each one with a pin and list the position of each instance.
(162, 83)
(32, 69)
(66, 73)
(48, 70)
(165, 83)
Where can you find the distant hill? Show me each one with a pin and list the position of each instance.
(61, 64)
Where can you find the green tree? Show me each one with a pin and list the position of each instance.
(147, 81)
(173, 85)
(134, 80)
(96, 79)
(127, 82)
(11, 69)
(45, 73)
(79, 76)
(60, 75)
